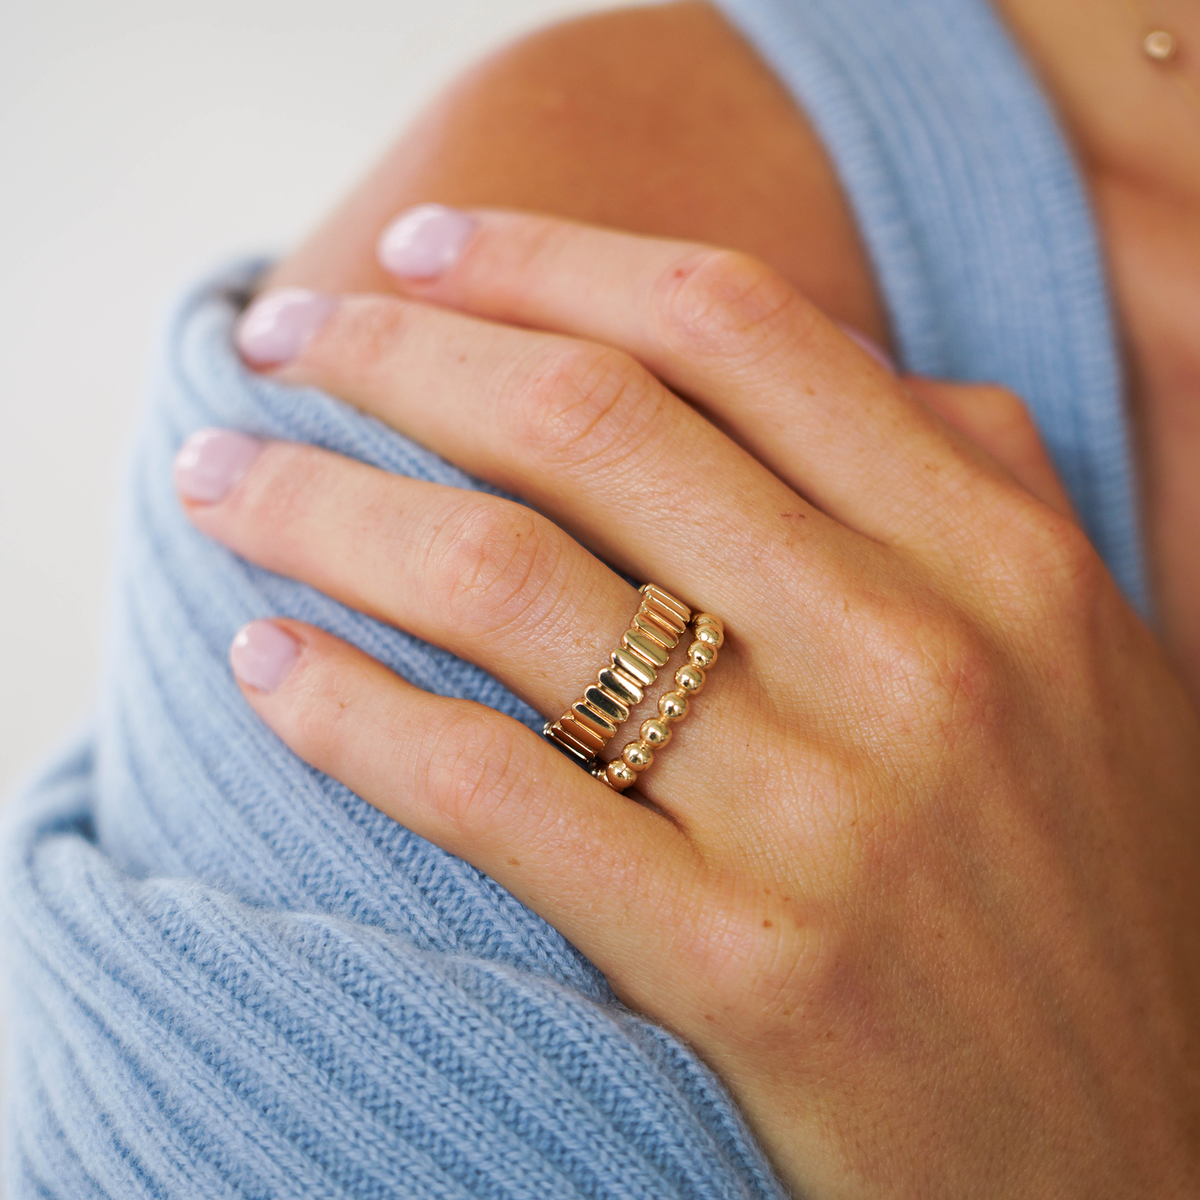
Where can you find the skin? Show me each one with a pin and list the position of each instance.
(606, 119)
(987, 998)
(1137, 133)
(916, 877)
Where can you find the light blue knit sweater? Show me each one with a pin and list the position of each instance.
(228, 976)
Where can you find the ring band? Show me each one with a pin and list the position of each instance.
(673, 706)
(587, 726)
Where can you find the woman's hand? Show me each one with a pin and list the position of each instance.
(918, 875)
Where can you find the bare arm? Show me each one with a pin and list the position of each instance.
(659, 120)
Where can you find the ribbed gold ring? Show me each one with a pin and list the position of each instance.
(708, 638)
(586, 727)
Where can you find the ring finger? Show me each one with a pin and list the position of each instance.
(485, 578)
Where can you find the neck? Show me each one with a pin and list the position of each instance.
(1129, 116)
(1136, 130)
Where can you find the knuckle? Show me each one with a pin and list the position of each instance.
(767, 958)
(323, 716)
(721, 303)
(959, 683)
(367, 335)
(1061, 575)
(934, 675)
(580, 401)
(1038, 564)
(275, 494)
(471, 773)
(531, 245)
(488, 564)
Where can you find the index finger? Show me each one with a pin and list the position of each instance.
(723, 330)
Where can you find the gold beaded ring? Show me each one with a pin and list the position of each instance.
(586, 727)
(673, 706)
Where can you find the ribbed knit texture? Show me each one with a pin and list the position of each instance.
(233, 977)
(228, 976)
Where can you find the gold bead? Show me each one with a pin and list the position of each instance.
(701, 655)
(619, 775)
(638, 755)
(711, 635)
(655, 732)
(690, 679)
(1160, 45)
(673, 706)
(708, 619)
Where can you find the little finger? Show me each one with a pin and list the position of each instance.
(484, 788)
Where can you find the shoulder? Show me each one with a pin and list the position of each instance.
(659, 119)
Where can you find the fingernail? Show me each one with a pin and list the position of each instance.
(211, 462)
(874, 349)
(263, 655)
(280, 323)
(425, 241)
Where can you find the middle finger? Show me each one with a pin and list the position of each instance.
(589, 437)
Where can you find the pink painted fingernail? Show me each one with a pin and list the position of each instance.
(263, 655)
(280, 323)
(873, 348)
(425, 242)
(211, 462)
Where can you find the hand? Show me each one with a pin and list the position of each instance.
(917, 876)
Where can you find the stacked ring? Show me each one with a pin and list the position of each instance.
(586, 727)
(673, 706)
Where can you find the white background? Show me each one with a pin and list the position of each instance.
(142, 141)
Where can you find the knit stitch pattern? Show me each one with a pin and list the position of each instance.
(227, 976)
(232, 977)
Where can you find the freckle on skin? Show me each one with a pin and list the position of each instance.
(514, 862)
(766, 924)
